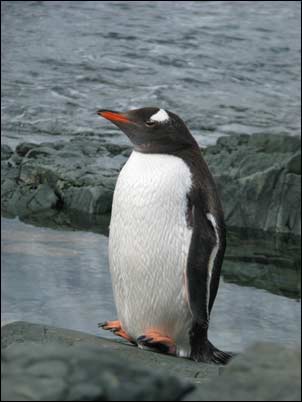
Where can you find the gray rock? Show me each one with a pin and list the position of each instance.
(6, 152)
(24, 332)
(40, 362)
(258, 177)
(293, 165)
(264, 372)
(90, 200)
(44, 198)
(23, 148)
(85, 373)
(72, 177)
(259, 180)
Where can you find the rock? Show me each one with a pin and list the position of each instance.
(293, 165)
(40, 362)
(23, 148)
(44, 198)
(90, 200)
(72, 177)
(25, 332)
(258, 178)
(277, 279)
(264, 372)
(84, 373)
(6, 152)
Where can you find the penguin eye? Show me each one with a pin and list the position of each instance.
(150, 123)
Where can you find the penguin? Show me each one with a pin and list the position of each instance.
(167, 238)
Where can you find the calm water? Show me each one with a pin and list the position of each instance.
(223, 66)
(61, 278)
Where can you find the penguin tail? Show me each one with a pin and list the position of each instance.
(208, 353)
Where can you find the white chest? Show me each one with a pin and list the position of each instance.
(149, 242)
(152, 185)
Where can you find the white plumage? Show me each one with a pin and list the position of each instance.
(148, 247)
(161, 116)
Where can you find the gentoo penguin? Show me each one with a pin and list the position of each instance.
(167, 238)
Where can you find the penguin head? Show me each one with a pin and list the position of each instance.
(151, 129)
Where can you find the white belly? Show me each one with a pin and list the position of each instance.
(148, 247)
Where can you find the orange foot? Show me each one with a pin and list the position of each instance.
(116, 328)
(154, 340)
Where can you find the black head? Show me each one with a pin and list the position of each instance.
(152, 130)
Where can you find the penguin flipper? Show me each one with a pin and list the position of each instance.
(203, 272)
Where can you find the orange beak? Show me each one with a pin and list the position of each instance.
(113, 116)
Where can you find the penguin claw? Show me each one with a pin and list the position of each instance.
(116, 328)
(154, 340)
(144, 339)
(208, 353)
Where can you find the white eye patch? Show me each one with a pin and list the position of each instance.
(160, 116)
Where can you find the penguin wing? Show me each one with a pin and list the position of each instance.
(204, 259)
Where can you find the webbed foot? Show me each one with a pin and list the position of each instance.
(208, 353)
(116, 328)
(154, 340)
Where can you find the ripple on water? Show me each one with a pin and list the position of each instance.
(204, 55)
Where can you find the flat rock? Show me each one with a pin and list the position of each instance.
(40, 362)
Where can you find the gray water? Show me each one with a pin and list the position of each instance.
(223, 66)
(62, 278)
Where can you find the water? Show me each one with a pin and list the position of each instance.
(61, 278)
(223, 66)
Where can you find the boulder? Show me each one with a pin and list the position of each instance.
(259, 180)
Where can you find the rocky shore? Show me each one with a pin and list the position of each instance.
(40, 362)
(258, 177)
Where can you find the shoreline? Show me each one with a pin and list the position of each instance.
(72, 182)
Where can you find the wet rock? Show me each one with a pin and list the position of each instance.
(6, 152)
(90, 200)
(258, 177)
(259, 180)
(23, 148)
(78, 176)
